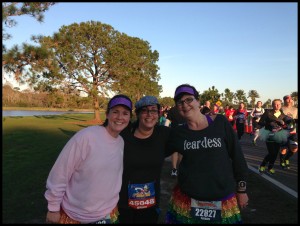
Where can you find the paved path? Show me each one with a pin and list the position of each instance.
(286, 180)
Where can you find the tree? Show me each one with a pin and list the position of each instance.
(166, 101)
(212, 95)
(294, 96)
(228, 96)
(11, 9)
(240, 96)
(18, 61)
(267, 104)
(134, 66)
(92, 58)
(253, 95)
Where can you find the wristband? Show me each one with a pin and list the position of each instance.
(241, 186)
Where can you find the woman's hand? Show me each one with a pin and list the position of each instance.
(53, 217)
(242, 199)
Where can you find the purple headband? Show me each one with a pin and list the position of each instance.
(120, 101)
(184, 89)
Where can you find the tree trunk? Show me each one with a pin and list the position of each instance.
(97, 117)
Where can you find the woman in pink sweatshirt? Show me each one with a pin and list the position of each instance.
(83, 185)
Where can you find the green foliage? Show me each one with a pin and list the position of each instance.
(267, 104)
(10, 9)
(134, 65)
(26, 61)
(166, 101)
(294, 96)
(228, 96)
(253, 94)
(241, 96)
(212, 95)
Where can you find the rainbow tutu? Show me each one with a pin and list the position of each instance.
(179, 210)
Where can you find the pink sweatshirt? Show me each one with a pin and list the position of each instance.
(87, 175)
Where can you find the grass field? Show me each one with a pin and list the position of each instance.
(30, 147)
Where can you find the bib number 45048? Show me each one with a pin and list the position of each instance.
(141, 204)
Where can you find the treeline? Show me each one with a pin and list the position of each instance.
(56, 99)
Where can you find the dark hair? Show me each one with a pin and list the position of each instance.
(287, 97)
(109, 106)
(179, 93)
(205, 110)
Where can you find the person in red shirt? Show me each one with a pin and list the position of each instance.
(229, 115)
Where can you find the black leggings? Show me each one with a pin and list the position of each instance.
(273, 149)
(240, 129)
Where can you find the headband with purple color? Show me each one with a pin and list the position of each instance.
(184, 89)
(120, 101)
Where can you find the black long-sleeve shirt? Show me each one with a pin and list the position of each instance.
(143, 161)
(212, 162)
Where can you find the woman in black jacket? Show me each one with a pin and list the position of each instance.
(274, 133)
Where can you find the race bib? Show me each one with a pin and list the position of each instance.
(206, 211)
(141, 196)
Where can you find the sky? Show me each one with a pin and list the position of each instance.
(248, 46)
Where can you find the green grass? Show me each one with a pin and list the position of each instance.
(30, 147)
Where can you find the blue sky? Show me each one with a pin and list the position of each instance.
(227, 45)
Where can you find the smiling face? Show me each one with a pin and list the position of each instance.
(148, 116)
(118, 118)
(187, 106)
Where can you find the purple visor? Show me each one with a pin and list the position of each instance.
(184, 89)
(120, 101)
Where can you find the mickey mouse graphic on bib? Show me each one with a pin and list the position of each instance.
(141, 196)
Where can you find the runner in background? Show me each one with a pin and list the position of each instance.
(274, 132)
(256, 113)
(291, 147)
(176, 119)
(240, 116)
(229, 115)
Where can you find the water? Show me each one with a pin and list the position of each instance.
(32, 113)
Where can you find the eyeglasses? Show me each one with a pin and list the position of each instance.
(187, 101)
(145, 111)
